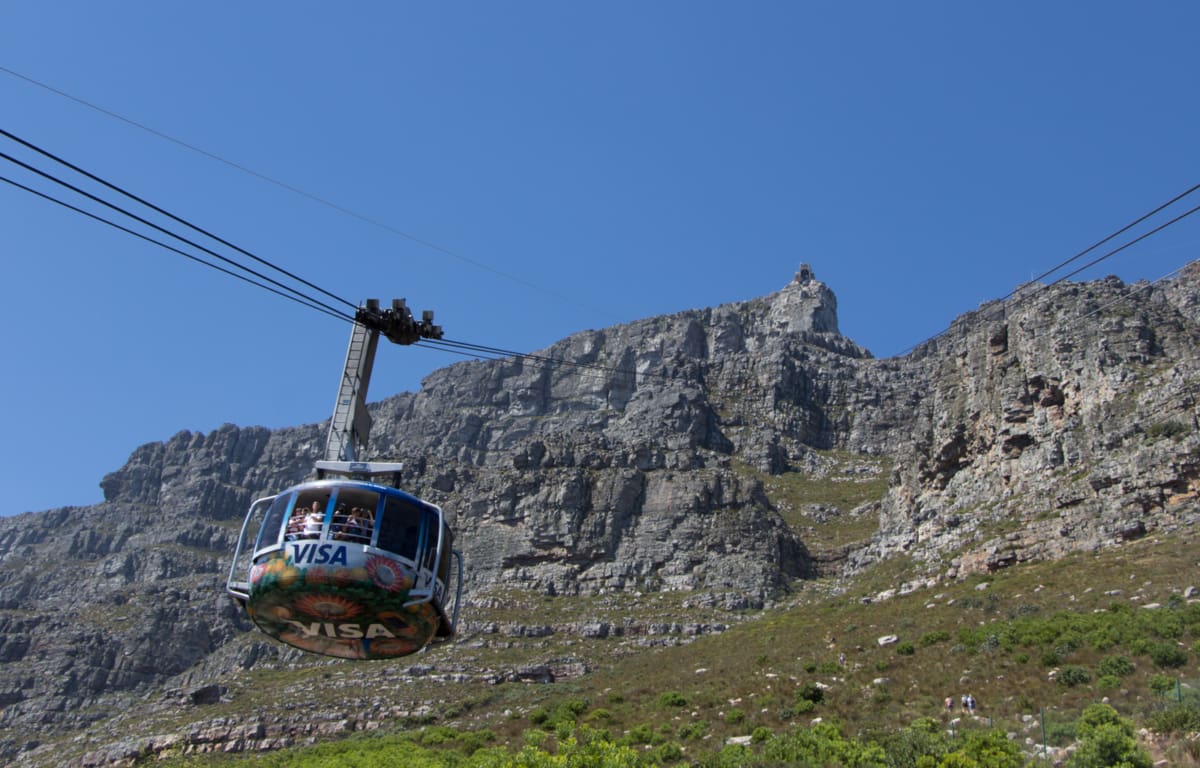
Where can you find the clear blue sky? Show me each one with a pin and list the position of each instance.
(585, 164)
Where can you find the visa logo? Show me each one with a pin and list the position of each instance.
(318, 554)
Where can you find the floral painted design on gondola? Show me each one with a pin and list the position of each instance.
(330, 607)
(353, 612)
(388, 574)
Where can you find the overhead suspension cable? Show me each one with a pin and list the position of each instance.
(477, 351)
(448, 252)
(163, 230)
(1134, 241)
(1137, 289)
(481, 352)
(173, 217)
(446, 345)
(474, 350)
(161, 244)
(1099, 243)
(495, 350)
(290, 188)
(1004, 304)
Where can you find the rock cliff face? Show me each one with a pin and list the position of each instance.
(633, 459)
(1067, 421)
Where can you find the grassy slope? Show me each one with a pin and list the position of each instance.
(731, 683)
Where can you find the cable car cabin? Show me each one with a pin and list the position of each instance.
(347, 568)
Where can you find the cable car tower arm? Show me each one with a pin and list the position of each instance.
(350, 427)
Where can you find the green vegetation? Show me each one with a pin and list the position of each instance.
(770, 689)
(848, 482)
(1117, 666)
(1072, 675)
(922, 745)
(1177, 719)
(932, 638)
(672, 699)
(1167, 429)
(1106, 739)
(564, 713)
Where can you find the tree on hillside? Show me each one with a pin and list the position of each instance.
(984, 749)
(1106, 741)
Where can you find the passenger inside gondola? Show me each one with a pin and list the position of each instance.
(295, 525)
(362, 523)
(341, 518)
(355, 525)
(313, 522)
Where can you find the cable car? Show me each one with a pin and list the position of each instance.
(349, 565)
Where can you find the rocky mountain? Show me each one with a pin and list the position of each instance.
(630, 461)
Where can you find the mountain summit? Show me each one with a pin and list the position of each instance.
(804, 305)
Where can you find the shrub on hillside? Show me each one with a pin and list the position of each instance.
(932, 638)
(437, 734)
(1167, 429)
(564, 713)
(667, 752)
(1165, 624)
(823, 744)
(1168, 655)
(584, 748)
(985, 748)
(1106, 739)
(1162, 684)
(599, 715)
(641, 734)
(922, 743)
(1065, 632)
(1072, 675)
(1070, 640)
(1118, 666)
(672, 699)
(1189, 613)
(1178, 719)
(810, 692)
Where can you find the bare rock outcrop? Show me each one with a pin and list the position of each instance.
(1065, 421)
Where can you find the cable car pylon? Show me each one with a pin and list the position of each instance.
(349, 565)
